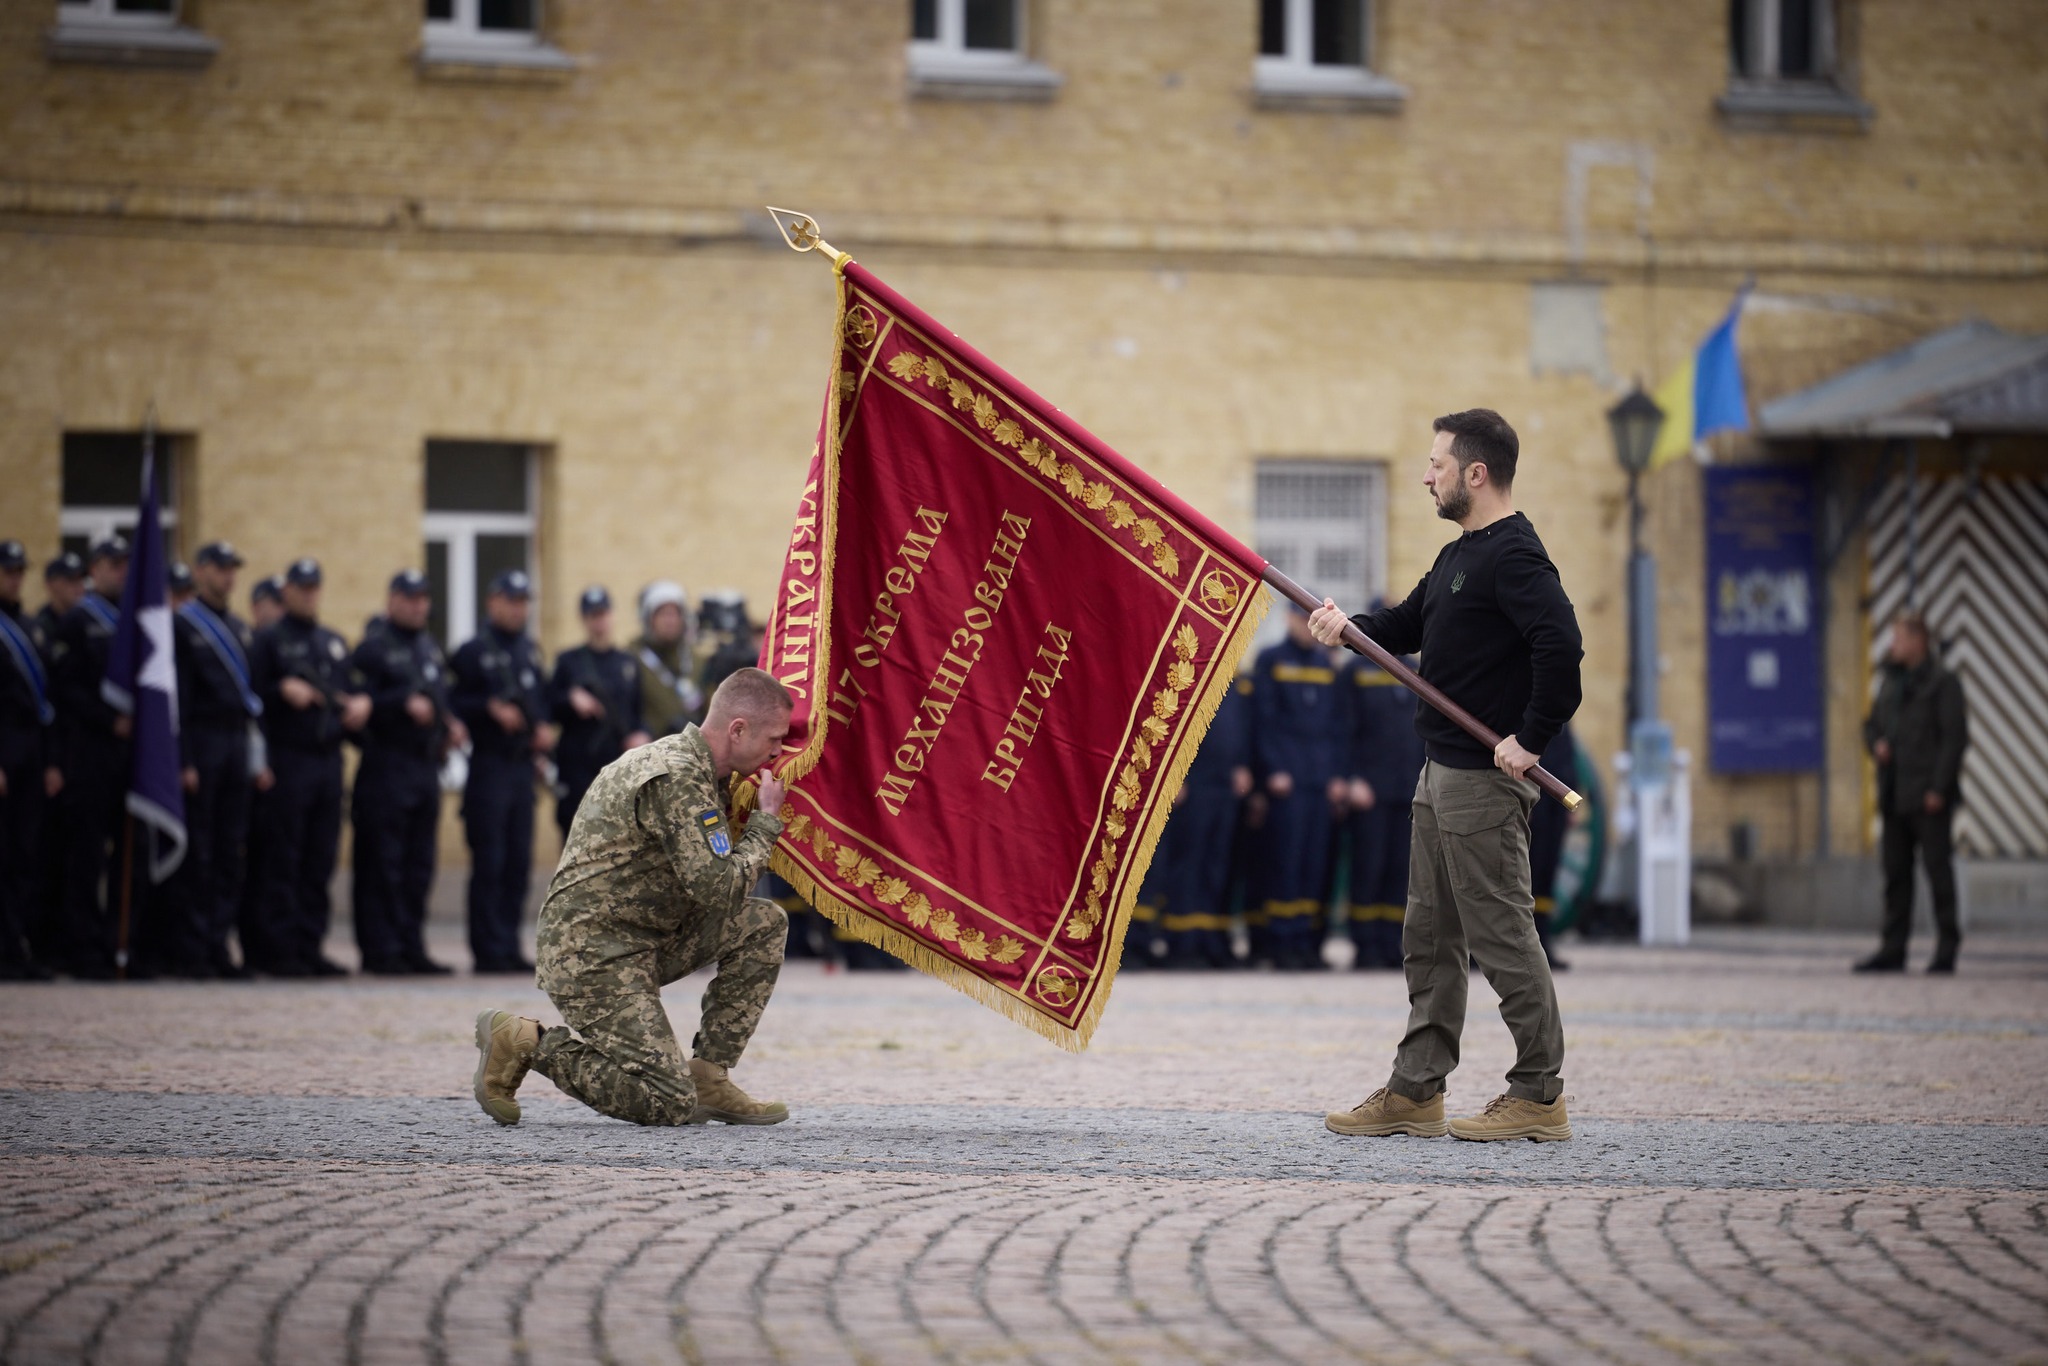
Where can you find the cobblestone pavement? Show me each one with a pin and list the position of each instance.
(1775, 1161)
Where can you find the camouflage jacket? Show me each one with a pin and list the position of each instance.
(650, 849)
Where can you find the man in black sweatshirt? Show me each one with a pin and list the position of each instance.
(1498, 636)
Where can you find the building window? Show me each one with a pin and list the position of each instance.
(1785, 58)
(1320, 50)
(974, 49)
(488, 33)
(127, 32)
(102, 485)
(482, 501)
(1323, 523)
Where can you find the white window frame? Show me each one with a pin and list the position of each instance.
(463, 41)
(104, 12)
(946, 65)
(97, 522)
(459, 530)
(1296, 75)
(95, 31)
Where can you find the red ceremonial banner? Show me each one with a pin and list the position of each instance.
(1005, 643)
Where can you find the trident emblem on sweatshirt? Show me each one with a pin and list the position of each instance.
(1458, 582)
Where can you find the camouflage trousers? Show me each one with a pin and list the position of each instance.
(615, 1051)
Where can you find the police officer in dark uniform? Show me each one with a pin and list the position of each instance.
(217, 709)
(252, 922)
(63, 586)
(500, 694)
(397, 801)
(1195, 852)
(594, 697)
(311, 699)
(92, 751)
(26, 714)
(1385, 761)
(1297, 709)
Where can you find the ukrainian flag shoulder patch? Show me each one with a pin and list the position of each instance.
(716, 836)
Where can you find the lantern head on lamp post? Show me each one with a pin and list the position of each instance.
(1635, 422)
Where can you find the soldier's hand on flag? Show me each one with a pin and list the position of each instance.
(1510, 758)
(1327, 623)
(772, 791)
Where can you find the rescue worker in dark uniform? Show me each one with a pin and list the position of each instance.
(1386, 759)
(1298, 712)
(63, 586)
(500, 694)
(311, 699)
(396, 805)
(217, 710)
(92, 751)
(594, 697)
(26, 715)
(1549, 823)
(266, 607)
(1195, 850)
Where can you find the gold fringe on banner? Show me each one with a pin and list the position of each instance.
(870, 929)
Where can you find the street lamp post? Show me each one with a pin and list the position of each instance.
(1634, 422)
(1659, 792)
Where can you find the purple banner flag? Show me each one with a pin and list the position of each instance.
(142, 681)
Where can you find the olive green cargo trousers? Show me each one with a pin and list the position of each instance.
(1469, 899)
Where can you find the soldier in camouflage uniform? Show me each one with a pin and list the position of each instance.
(652, 886)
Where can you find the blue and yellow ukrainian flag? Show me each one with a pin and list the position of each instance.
(1703, 395)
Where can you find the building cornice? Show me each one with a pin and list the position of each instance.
(1332, 246)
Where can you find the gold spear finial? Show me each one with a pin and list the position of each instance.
(800, 230)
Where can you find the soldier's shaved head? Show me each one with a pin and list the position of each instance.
(752, 694)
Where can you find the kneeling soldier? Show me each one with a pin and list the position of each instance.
(652, 886)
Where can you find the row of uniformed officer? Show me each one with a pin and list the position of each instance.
(1306, 753)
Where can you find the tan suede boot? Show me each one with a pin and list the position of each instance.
(504, 1045)
(1512, 1117)
(719, 1099)
(1385, 1113)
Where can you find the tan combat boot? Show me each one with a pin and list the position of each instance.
(504, 1045)
(1512, 1117)
(719, 1099)
(1385, 1113)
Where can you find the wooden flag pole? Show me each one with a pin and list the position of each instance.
(1414, 682)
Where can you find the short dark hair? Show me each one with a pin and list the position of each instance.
(1483, 436)
(750, 692)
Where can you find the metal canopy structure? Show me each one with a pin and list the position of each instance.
(1970, 378)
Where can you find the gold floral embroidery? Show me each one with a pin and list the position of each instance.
(1152, 733)
(1094, 495)
(858, 870)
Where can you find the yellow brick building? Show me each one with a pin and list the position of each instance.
(1218, 232)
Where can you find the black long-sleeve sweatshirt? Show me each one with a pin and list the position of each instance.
(1497, 634)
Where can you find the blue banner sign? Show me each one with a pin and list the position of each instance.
(1763, 637)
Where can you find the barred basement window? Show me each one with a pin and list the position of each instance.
(1323, 523)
